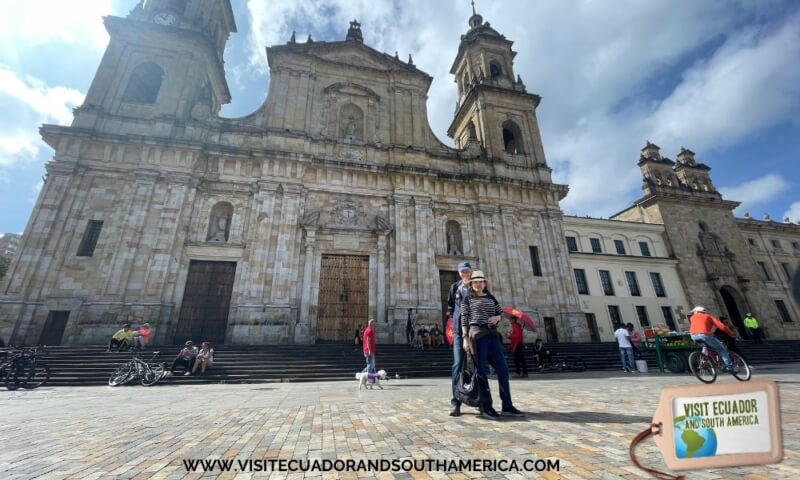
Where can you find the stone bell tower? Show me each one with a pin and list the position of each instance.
(494, 109)
(164, 61)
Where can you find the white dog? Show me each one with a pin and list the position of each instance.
(370, 379)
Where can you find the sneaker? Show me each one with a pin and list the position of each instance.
(512, 411)
(455, 410)
(185, 374)
(728, 370)
(490, 414)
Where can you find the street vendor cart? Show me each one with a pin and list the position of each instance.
(672, 349)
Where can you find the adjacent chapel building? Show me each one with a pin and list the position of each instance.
(334, 202)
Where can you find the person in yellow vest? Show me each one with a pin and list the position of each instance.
(122, 339)
(752, 325)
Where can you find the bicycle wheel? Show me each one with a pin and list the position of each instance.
(702, 367)
(153, 374)
(575, 364)
(122, 375)
(741, 370)
(39, 376)
(18, 374)
(675, 362)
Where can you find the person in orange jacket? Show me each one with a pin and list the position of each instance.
(518, 347)
(701, 327)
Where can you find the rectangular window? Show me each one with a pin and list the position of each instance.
(596, 248)
(796, 245)
(641, 312)
(633, 284)
(670, 321)
(580, 280)
(572, 244)
(776, 244)
(752, 242)
(645, 248)
(605, 280)
(620, 247)
(787, 271)
(537, 268)
(762, 267)
(658, 285)
(616, 318)
(90, 237)
(783, 311)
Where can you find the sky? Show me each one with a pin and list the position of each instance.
(720, 77)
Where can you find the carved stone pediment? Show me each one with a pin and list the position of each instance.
(349, 88)
(355, 57)
(382, 224)
(348, 214)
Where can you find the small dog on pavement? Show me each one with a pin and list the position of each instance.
(368, 380)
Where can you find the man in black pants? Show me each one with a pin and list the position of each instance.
(410, 324)
(457, 292)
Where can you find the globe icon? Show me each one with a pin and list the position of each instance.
(694, 442)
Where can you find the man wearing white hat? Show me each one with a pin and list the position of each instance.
(700, 328)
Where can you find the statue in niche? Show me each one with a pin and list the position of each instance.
(454, 246)
(351, 122)
(220, 234)
(219, 225)
(351, 127)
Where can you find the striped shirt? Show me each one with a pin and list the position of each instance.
(476, 310)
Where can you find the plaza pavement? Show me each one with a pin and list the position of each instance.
(586, 421)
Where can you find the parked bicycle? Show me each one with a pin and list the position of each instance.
(23, 368)
(556, 364)
(705, 364)
(148, 373)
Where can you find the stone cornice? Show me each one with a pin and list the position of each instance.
(623, 258)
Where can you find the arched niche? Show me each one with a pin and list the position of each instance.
(219, 222)
(495, 71)
(455, 245)
(144, 84)
(351, 122)
(512, 138)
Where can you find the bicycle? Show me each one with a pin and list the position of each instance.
(554, 364)
(705, 363)
(148, 373)
(24, 369)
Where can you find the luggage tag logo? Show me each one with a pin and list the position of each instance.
(722, 425)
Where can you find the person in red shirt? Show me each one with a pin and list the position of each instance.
(701, 327)
(518, 347)
(369, 347)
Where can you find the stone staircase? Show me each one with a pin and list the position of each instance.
(90, 365)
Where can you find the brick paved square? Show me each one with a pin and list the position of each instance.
(586, 421)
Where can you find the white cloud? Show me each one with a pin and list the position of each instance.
(30, 103)
(758, 191)
(793, 213)
(29, 23)
(610, 77)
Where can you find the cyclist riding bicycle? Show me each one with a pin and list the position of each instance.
(700, 328)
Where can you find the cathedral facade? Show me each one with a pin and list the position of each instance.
(332, 203)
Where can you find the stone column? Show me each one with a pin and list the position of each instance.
(258, 241)
(426, 261)
(514, 256)
(303, 332)
(403, 245)
(283, 277)
(381, 296)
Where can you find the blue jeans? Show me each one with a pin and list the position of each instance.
(370, 368)
(714, 344)
(627, 357)
(458, 361)
(490, 346)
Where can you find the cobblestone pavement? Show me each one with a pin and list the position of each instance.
(586, 421)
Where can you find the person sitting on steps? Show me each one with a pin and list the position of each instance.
(121, 339)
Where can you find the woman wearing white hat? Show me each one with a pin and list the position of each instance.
(480, 314)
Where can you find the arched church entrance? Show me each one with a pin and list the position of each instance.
(733, 301)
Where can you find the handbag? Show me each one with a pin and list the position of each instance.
(471, 390)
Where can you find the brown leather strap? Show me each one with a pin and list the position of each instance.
(654, 429)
